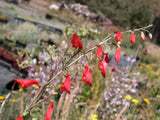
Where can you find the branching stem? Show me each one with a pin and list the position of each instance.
(42, 89)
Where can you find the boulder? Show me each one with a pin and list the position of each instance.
(82, 10)
(7, 74)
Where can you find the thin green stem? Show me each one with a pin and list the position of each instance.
(54, 77)
(38, 95)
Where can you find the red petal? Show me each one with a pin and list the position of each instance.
(87, 76)
(103, 65)
(20, 118)
(117, 54)
(118, 36)
(132, 37)
(106, 59)
(66, 85)
(49, 112)
(99, 51)
(76, 42)
(24, 83)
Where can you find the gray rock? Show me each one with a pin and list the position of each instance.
(7, 74)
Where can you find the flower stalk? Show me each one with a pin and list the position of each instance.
(87, 52)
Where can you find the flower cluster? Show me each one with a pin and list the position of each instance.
(44, 67)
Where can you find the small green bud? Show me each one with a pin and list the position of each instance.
(150, 36)
(25, 113)
(142, 35)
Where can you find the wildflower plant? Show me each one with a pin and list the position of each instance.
(71, 69)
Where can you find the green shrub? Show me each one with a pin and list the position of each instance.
(27, 33)
(140, 15)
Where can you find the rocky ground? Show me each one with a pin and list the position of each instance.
(31, 12)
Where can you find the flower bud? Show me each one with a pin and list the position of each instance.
(124, 54)
(142, 36)
(132, 38)
(49, 111)
(66, 85)
(145, 52)
(150, 36)
(118, 36)
(25, 113)
(117, 54)
(87, 76)
(139, 64)
(114, 69)
(99, 51)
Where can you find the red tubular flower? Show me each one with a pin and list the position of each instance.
(24, 83)
(87, 76)
(99, 51)
(66, 85)
(20, 118)
(76, 42)
(117, 54)
(103, 65)
(49, 112)
(118, 36)
(132, 37)
(142, 36)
